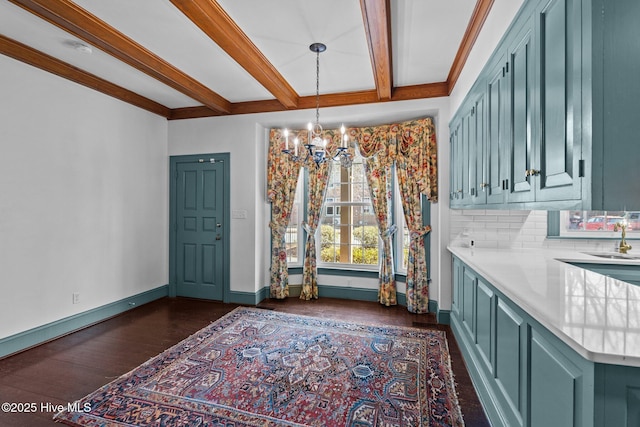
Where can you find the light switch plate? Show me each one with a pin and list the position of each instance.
(239, 214)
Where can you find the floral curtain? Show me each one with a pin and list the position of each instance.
(412, 146)
(373, 146)
(317, 186)
(282, 178)
(414, 163)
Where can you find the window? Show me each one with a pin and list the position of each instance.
(348, 232)
(294, 238)
(595, 224)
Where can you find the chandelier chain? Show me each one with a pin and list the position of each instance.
(317, 87)
(316, 146)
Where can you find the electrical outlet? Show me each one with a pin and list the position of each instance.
(75, 297)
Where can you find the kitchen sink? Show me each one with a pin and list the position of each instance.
(613, 255)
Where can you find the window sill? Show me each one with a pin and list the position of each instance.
(350, 272)
(590, 238)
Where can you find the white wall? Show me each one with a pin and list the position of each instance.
(83, 198)
(500, 17)
(245, 137)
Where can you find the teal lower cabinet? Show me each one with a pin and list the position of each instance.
(527, 376)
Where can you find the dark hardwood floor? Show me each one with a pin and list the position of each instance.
(73, 366)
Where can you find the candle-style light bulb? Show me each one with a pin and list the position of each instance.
(286, 139)
(296, 141)
(343, 131)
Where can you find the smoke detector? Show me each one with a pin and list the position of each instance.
(79, 46)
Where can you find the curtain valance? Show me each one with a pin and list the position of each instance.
(411, 142)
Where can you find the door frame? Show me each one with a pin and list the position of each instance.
(174, 161)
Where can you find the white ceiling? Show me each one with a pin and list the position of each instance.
(425, 37)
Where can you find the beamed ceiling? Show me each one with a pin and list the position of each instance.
(199, 58)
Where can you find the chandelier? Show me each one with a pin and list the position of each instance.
(316, 146)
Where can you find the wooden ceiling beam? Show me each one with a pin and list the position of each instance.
(479, 15)
(431, 90)
(28, 55)
(72, 18)
(377, 24)
(214, 21)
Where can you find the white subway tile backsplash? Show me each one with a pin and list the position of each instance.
(493, 218)
(512, 229)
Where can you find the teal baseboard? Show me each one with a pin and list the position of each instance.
(247, 298)
(442, 316)
(41, 334)
(358, 294)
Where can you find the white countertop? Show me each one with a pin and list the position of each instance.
(596, 315)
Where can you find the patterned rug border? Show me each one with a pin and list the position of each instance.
(230, 317)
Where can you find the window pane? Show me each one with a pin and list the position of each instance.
(595, 224)
(405, 246)
(348, 228)
(293, 237)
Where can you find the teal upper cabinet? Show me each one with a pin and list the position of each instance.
(466, 157)
(519, 123)
(559, 116)
(554, 128)
(478, 150)
(496, 161)
(614, 86)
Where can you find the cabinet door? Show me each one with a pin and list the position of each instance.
(478, 168)
(466, 147)
(496, 161)
(559, 48)
(564, 403)
(469, 281)
(456, 164)
(520, 74)
(456, 297)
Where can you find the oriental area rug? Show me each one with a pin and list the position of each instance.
(256, 367)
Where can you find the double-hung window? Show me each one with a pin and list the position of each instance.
(348, 231)
(347, 236)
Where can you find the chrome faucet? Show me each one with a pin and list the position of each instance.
(624, 246)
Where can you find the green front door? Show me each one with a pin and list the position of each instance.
(198, 205)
